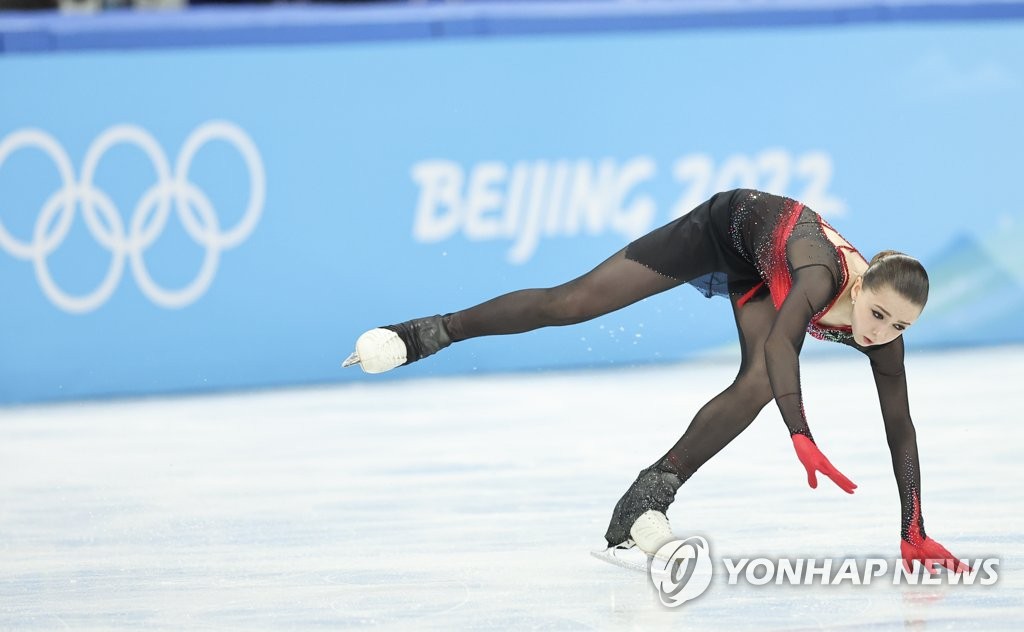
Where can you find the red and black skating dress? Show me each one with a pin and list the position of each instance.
(747, 244)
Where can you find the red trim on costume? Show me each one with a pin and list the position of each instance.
(846, 277)
(914, 530)
(749, 295)
(779, 280)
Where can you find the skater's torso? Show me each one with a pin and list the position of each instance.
(778, 235)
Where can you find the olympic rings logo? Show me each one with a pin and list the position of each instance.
(150, 216)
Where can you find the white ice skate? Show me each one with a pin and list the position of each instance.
(649, 533)
(377, 351)
(385, 348)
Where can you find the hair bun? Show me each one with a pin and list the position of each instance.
(883, 254)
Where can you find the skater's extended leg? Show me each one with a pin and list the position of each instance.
(716, 424)
(615, 283)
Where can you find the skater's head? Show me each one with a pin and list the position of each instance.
(888, 298)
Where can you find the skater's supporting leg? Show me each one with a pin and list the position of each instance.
(727, 415)
(716, 424)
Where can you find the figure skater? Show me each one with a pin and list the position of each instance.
(786, 272)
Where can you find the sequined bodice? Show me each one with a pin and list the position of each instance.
(778, 235)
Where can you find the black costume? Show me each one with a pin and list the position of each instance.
(771, 257)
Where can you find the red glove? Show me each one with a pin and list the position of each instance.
(815, 461)
(928, 552)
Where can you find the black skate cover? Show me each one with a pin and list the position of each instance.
(422, 337)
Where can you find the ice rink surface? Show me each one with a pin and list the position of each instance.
(473, 503)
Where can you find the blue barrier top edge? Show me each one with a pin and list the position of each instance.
(289, 25)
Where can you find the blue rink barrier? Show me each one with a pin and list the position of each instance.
(184, 207)
(208, 26)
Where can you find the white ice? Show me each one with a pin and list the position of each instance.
(472, 503)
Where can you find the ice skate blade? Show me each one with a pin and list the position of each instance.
(628, 556)
(351, 360)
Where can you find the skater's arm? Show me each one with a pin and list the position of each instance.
(812, 290)
(889, 372)
(891, 382)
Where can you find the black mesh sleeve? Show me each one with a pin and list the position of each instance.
(891, 381)
(813, 288)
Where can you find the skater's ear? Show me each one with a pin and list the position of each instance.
(855, 290)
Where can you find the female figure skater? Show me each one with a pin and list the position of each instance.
(787, 272)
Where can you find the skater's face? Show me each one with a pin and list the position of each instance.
(880, 315)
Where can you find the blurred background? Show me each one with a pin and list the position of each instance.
(216, 197)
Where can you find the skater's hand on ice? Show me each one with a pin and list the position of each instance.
(814, 461)
(928, 553)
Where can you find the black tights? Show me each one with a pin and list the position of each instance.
(616, 283)
(716, 424)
